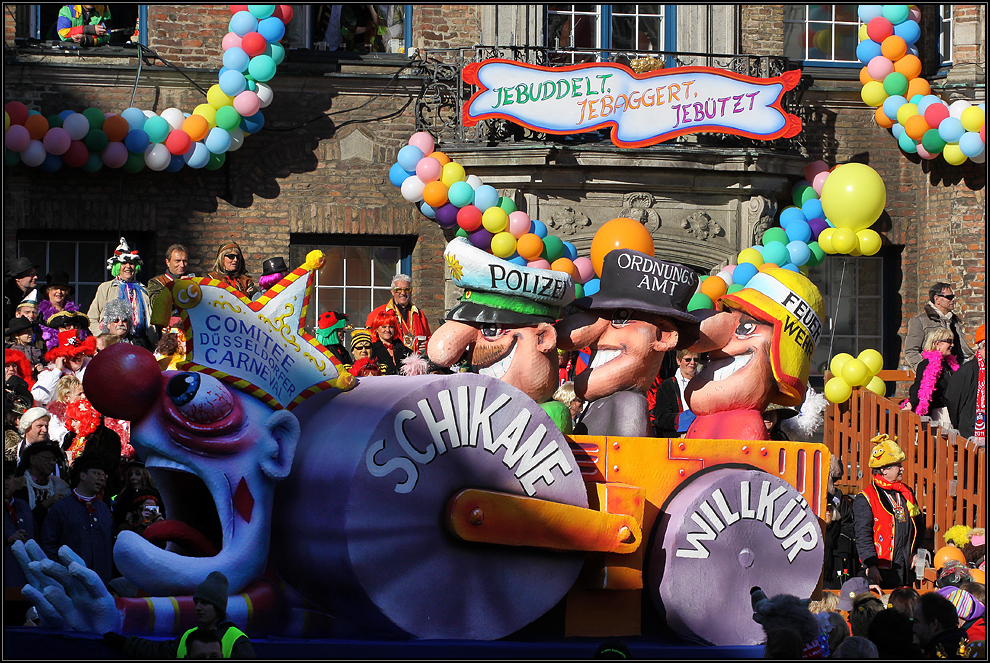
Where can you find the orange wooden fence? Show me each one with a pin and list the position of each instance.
(947, 472)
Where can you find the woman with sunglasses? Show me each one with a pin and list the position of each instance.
(938, 313)
(931, 379)
(229, 268)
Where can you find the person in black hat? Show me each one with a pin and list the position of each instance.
(22, 278)
(638, 314)
(273, 270)
(56, 298)
(20, 336)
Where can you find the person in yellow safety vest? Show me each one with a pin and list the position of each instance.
(210, 599)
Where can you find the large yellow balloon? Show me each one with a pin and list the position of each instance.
(838, 361)
(837, 390)
(872, 359)
(973, 118)
(843, 240)
(853, 196)
(869, 241)
(877, 386)
(621, 233)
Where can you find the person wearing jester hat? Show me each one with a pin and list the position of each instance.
(505, 323)
(330, 327)
(124, 264)
(759, 342)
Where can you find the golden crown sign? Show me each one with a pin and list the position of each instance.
(260, 347)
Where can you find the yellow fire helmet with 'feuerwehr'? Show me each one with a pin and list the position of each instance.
(793, 305)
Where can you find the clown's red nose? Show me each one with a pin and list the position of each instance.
(123, 382)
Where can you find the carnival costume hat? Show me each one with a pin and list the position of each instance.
(980, 335)
(18, 326)
(30, 416)
(88, 461)
(20, 266)
(71, 346)
(500, 292)
(274, 266)
(58, 279)
(122, 254)
(31, 299)
(850, 590)
(967, 607)
(66, 318)
(360, 335)
(793, 305)
(115, 309)
(885, 451)
(16, 357)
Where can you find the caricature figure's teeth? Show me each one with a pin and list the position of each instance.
(730, 367)
(499, 368)
(604, 356)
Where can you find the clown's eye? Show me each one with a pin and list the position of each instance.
(746, 329)
(620, 317)
(200, 398)
(492, 332)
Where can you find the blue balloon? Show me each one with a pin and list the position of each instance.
(253, 124)
(867, 50)
(866, 12)
(272, 29)
(176, 164)
(790, 215)
(242, 23)
(891, 104)
(970, 144)
(744, 272)
(539, 229)
(926, 102)
(570, 251)
(951, 130)
(799, 231)
(916, 99)
(409, 156)
(912, 50)
(592, 287)
(136, 141)
(236, 59)
(897, 130)
(198, 156)
(798, 252)
(397, 174)
(812, 209)
(66, 113)
(518, 260)
(791, 267)
(830, 224)
(218, 140)
(135, 117)
(907, 144)
(909, 31)
(51, 163)
(427, 211)
(759, 248)
(485, 196)
(232, 82)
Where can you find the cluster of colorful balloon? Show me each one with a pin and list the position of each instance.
(136, 138)
(454, 199)
(852, 372)
(921, 122)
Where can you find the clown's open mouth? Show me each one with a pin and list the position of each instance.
(720, 369)
(193, 527)
(603, 356)
(496, 367)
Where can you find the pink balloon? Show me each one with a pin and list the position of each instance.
(879, 67)
(115, 155)
(819, 182)
(519, 224)
(57, 140)
(925, 154)
(17, 138)
(729, 268)
(585, 269)
(247, 103)
(428, 169)
(813, 169)
(230, 40)
(539, 264)
(423, 141)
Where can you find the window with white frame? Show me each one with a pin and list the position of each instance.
(628, 28)
(821, 33)
(945, 38)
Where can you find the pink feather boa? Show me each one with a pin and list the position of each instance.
(930, 377)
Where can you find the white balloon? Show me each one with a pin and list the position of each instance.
(157, 156)
(35, 154)
(474, 181)
(726, 276)
(149, 114)
(236, 139)
(412, 189)
(174, 117)
(264, 93)
(980, 158)
(77, 126)
(956, 108)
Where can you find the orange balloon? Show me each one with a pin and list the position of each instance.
(37, 126)
(196, 126)
(882, 118)
(441, 157)
(915, 126)
(619, 233)
(714, 287)
(435, 194)
(768, 266)
(529, 246)
(864, 76)
(562, 265)
(918, 86)
(979, 576)
(116, 128)
(945, 554)
(893, 48)
(909, 65)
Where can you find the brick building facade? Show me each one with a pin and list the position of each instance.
(317, 174)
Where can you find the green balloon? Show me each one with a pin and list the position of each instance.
(261, 68)
(96, 141)
(135, 162)
(11, 158)
(157, 129)
(95, 117)
(932, 142)
(817, 255)
(227, 118)
(93, 163)
(553, 248)
(276, 52)
(461, 233)
(774, 235)
(735, 287)
(54, 120)
(261, 11)
(803, 194)
(216, 160)
(507, 204)
(578, 291)
(895, 83)
(700, 300)
(251, 85)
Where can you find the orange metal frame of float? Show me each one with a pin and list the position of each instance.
(629, 480)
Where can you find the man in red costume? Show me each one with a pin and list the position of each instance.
(414, 329)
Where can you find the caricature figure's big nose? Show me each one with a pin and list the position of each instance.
(123, 382)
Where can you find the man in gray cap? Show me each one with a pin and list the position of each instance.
(22, 277)
(637, 315)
